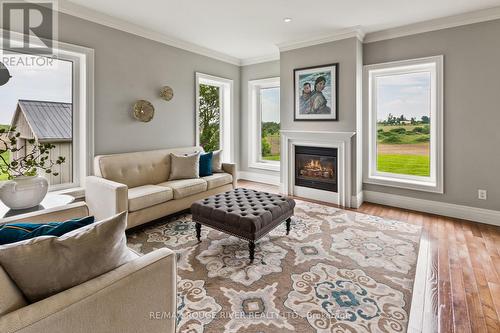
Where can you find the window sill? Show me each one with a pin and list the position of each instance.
(265, 166)
(410, 184)
(77, 192)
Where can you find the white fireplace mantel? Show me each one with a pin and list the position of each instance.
(339, 140)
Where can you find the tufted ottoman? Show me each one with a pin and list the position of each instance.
(243, 213)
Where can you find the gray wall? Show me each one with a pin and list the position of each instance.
(345, 52)
(471, 107)
(127, 68)
(252, 72)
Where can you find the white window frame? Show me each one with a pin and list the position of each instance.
(226, 104)
(254, 127)
(83, 108)
(433, 183)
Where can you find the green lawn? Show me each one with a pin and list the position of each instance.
(6, 157)
(416, 165)
(404, 149)
(271, 157)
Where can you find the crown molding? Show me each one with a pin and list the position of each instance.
(435, 24)
(259, 60)
(354, 32)
(88, 14)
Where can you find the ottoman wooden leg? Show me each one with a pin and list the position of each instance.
(251, 247)
(288, 220)
(198, 231)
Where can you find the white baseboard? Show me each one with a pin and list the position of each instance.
(259, 177)
(435, 207)
(357, 200)
(475, 214)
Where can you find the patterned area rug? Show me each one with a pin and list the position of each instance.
(337, 271)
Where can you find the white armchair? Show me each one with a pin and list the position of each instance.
(122, 300)
(105, 197)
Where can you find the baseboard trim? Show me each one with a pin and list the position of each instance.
(435, 207)
(259, 177)
(357, 200)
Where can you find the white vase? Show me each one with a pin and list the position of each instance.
(24, 192)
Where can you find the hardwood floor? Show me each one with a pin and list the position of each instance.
(464, 275)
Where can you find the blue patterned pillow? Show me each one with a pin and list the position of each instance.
(206, 164)
(16, 232)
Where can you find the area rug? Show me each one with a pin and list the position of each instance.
(337, 271)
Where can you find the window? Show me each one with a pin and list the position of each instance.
(213, 114)
(50, 100)
(264, 129)
(404, 105)
(270, 124)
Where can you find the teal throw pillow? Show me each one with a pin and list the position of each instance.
(206, 164)
(16, 232)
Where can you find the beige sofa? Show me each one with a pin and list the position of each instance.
(138, 183)
(139, 296)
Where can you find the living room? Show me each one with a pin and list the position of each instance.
(249, 167)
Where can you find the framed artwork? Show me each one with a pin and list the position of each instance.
(316, 93)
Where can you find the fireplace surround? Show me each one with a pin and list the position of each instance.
(341, 141)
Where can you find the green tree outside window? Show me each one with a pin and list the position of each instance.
(209, 120)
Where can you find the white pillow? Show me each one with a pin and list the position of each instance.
(184, 166)
(46, 265)
(217, 161)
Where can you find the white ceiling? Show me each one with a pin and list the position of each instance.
(253, 28)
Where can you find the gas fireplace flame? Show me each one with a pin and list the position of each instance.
(314, 165)
(314, 168)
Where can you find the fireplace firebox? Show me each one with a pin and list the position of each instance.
(316, 167)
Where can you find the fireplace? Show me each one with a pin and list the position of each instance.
(316, 167)
(328, 147)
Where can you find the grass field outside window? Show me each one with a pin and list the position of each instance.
(404, 164)
(403, 149)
